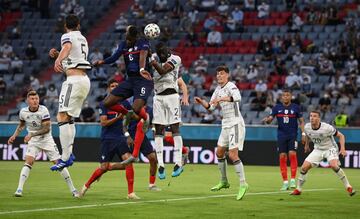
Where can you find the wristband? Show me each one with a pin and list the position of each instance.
(126, 134)
(142, 69)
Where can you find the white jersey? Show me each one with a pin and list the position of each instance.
(230, 110)
(323, 138)
(168, 80)
(33, 122)
(78, 53)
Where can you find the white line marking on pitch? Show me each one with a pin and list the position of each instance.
(152, 201)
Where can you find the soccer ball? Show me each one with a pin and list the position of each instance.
(152, 31)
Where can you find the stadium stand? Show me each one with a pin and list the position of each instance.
(300, 46)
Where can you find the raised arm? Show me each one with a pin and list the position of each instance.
(65, 51)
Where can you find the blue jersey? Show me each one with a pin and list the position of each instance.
(131, 56)
(114, 131)
(287, 117)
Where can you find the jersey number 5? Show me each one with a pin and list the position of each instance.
(82, 50)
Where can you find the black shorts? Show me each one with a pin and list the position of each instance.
(110, 148)
(138, 87)
(287, 144)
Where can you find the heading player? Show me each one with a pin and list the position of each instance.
(72, 60)
(232, 135)
(166, 106)
(287, 115)
(36, 119)
(325, 147)
(138, 84)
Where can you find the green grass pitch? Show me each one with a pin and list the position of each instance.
(188, 196)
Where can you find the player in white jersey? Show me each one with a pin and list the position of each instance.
(166, 106)
(232, 135)
(72, 60)
(36, 119)
(325, 147)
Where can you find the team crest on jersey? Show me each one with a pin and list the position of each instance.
(135, 48)
(286, 111)
(292, 111)
(130, 50)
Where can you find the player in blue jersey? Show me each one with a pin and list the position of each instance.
(113, 142)
(287, 115)
(138, 84)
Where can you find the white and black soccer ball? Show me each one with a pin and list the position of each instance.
(152, 31)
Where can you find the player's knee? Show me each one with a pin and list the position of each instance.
(29, 163)
(105, 166)
(282, 155)
(175, 129)
(233, 156)
(152, 158)
(220, 153)
(334, 166)
(63, 117)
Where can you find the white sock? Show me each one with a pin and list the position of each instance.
(66, 135)
(178, 143)
(343, 178)
(159, 147)
(66, 175)
(24, 174)
(239, 169)
(301, 180)
(222, 163)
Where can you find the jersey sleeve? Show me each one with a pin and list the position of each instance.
(174, 61)
(21, 116)
(66, 38)
(235, 93)
(332, 131)
(214, 95)
(116, 55)
(102, 110)
(45, 115)
(273, 111)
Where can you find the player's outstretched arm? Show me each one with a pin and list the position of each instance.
(183, 88)
(268, 119)
(18, 130)
(204, 103)
(104, 121)
(341, 137)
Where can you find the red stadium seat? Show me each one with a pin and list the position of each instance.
(275, 15)
(258, 22)
(243, 85)
(221, 50)
(243, 50)
(248, 22)
(280, 21)
(269, 21)
(233, 49)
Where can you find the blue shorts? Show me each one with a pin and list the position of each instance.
(110, 148)
(287, 144)
(146, 146)
(137, 87)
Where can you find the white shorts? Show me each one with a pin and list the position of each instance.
(232, 137)
(316, 156)
(73, 94)
(47, 145)
(166, 109)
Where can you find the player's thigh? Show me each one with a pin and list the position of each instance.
(172, 103)
(124, 89)
(332, 156)
(292, 144)
(123, 150)
(76, 92)
(51, 151)
(282, 146)
(146, 147)
(108, 150)
(32, 150)
(159, 110)
(223, 140)
(315, 157)
(142, 88)
(237, 137)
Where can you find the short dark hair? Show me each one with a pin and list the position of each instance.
(286, 90)
(222, 68)
(133, 32)
(317, 112)
(31, 93)
(160, 45)
(71, 21)
(111, 81)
